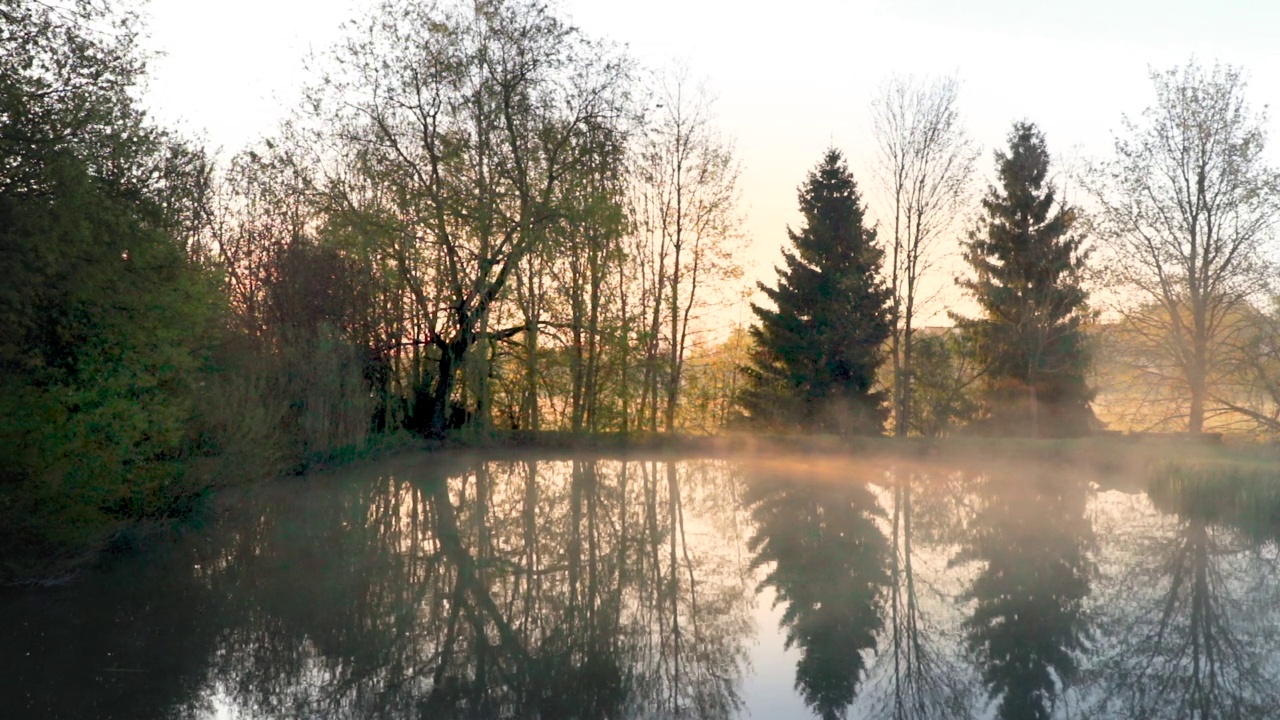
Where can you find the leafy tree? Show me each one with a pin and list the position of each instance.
(1027, 265)
(944, 375)
(103, 310)
(817, 354)
(707, 400)
(464, 131)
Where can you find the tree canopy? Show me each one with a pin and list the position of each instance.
(1189, 205)
(104, 312)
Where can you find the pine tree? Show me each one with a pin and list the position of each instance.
(817, 354)
(1027, 264)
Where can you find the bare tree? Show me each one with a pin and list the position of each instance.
(1248, 394)
(1187, 207)
(687, 220)
(925, 163)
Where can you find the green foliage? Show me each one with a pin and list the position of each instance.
(476, 133)
(105, 315)
(942, 382)
(1027, 264)
(816, 355)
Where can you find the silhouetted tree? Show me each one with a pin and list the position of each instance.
(474, 126)
(818, 351)
(1027, 265)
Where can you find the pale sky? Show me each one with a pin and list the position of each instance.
(790, 77)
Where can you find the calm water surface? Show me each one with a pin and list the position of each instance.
(429, 587)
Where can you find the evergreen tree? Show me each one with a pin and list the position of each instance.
(1027, 264)
(817, 354)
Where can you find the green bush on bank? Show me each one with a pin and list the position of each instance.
(125, 452)
(124, 394)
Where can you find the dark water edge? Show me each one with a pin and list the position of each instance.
(505, 584)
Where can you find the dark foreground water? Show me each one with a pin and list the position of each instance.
(436, 588)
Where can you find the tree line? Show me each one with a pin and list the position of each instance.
(1174, 235)
(479, 217)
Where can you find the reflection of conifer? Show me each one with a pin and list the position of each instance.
(828, 566)
(1028, 622)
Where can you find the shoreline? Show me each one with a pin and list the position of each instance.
(1123, 461)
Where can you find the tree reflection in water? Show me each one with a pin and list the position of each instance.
(541, 590)
(1028, 627)
(610, 589)
(919, 674)
(1195, 624)
(827, 561)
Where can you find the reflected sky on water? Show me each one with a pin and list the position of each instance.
(443, 587)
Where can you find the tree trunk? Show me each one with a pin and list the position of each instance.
(904, 424)
(1195, 419)
(450, 357)
(483, 365)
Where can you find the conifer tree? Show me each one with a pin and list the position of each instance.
(817, 353)
(1027, 266)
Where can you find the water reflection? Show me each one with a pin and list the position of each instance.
(1196, 632)
(1185, 622)
(609, 589)
(921, 672)
(1028, 626)
(826, 559)
(510, 590)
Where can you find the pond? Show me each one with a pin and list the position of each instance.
(452, 587)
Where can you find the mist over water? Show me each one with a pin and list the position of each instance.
(607, 588)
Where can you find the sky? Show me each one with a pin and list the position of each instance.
(790, 78)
